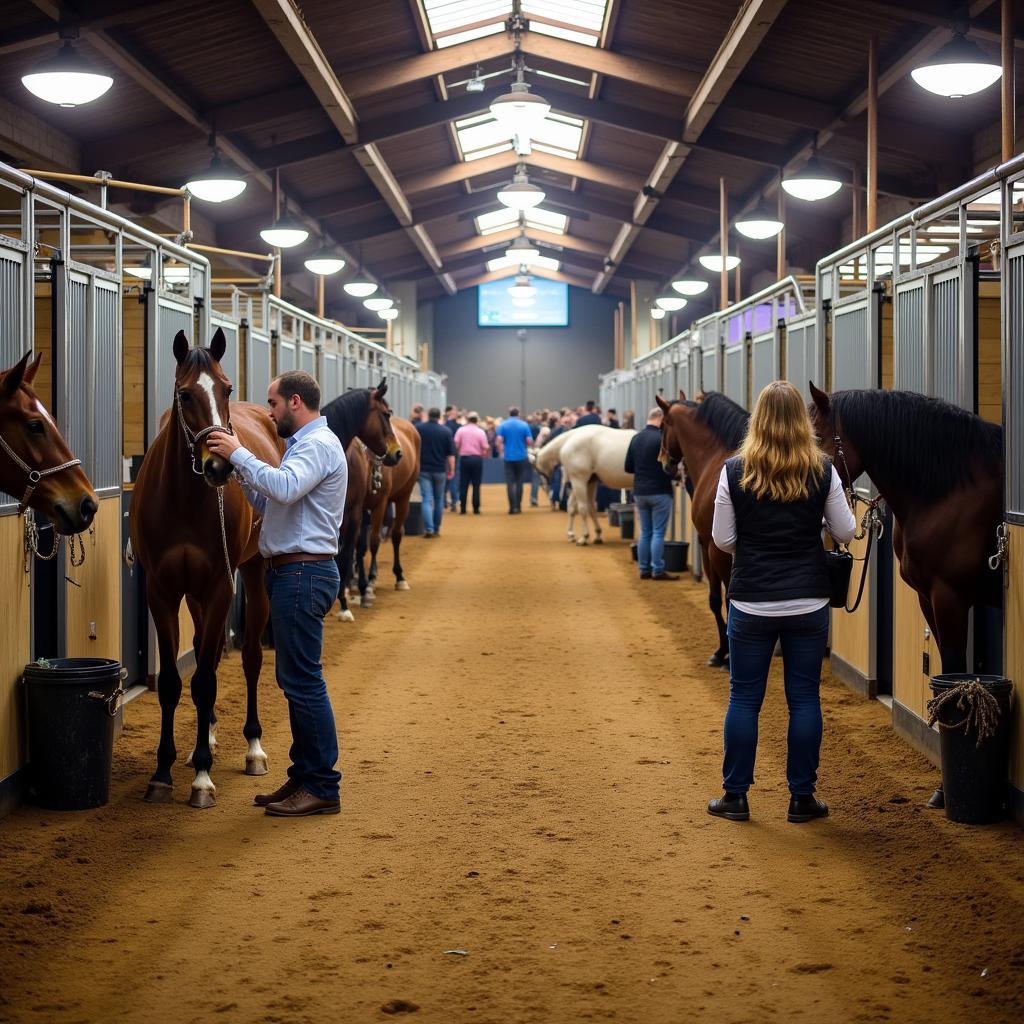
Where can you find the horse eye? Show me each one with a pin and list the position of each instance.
(229, 390)
(185, 396)
(36, 427)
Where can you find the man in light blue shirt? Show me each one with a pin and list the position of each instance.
(302, 502)
(514, 437)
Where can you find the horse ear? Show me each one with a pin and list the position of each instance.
(181, 347)
(662, 404)
(14, 377)
(219, 345)
(821, 399)
(30, 372)
(382, 389)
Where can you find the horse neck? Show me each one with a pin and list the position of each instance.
(701, 449)
(342, 419)
(177, 480)
(896, 491)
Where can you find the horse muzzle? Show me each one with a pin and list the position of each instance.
(393, 455)
(216, 471)
(70, 516)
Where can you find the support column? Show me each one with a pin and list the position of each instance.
(723, 248)
(1007, 88)
(872, 134)
(780, 242)
(641, 297)
(405, 327)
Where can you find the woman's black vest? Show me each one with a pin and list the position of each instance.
(779, 555)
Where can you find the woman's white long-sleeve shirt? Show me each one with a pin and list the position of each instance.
(839, 522)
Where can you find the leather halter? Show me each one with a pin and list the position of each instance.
(193, 439)
(34, 475)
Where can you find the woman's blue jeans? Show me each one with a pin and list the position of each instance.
(752, 640)
(301, 594)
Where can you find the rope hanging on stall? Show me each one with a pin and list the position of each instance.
(977, 704)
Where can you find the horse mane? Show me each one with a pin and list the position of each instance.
(347, 413)
(726, 419)
(917, 442)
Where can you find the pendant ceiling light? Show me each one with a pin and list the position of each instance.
(670, 303)
(961, 68)
(657, 313)
(67, 79)
(812, 182)
(519, 111)
(690, 286)
(388, 314)
(714, 263)
(285, 233)
(759, 224)
(324, 262)
(522, 250)
(521, 195)
(522, 289)
(378, 304)
(523, 303)
(218, 183)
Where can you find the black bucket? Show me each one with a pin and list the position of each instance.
(71, 706)
(675, 555)
(633, 551)
(626, 523)
(414, 520)
(973, 777)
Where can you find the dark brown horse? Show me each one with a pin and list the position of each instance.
(36, 465)
(940, 470)
(701, 436)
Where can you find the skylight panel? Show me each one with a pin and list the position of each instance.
(511, 263)
(496, 220)
(481, 135)
(580, 21)
(546, 220)
(559, 135)
(537, 217)
(457, 21)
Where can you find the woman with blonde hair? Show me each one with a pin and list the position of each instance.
(773, 496)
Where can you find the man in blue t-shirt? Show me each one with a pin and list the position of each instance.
(514, 437)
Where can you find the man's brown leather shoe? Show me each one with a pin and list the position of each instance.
(282, 793)
(301, 804)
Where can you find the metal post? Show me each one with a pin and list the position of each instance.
(277, 213)
(780, 244)
(872, 134)
(320, 295)
(1008, 87)
(723, 233)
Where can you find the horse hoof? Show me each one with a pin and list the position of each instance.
(716, 661)
(202, 798)
(598, 540)
(345, 616)
(366, 602)
(582, 542)
(159, 793)
(256, 766)
(402, 585)
(937, 801)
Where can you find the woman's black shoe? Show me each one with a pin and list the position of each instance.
(806, 808)
(732, 806)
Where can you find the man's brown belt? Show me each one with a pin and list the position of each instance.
(276, 561)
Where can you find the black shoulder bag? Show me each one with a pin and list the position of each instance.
(839, 563)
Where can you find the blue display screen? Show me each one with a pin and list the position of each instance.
(550, 308)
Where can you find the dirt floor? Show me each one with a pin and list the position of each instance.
(529, 738)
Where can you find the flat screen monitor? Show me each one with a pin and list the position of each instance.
(496, 308)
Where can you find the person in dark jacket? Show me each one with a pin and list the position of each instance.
(613, 419)
(591, 416)
(772, 499)
(437, 466)
(652, 491)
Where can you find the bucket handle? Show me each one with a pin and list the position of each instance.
(111, 700)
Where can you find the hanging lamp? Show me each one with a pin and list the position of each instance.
(671, 303)
(812, 182)
(714, 263)
(523, 288)
(522, 250)
(961, 68)
(388, 314)
(690, 286)
(521, 195)
(324, 262)
(218, 183)
(759, 224)
(379, 304)
(657, 313)
(67, 79)
(519, 111)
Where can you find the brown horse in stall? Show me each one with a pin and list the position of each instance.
(397, 483)
(36, 465)
(191, 527)
(359, 477)
(701, 436)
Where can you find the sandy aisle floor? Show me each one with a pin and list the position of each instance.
(529, 738)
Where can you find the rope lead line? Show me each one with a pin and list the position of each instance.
(975, 702)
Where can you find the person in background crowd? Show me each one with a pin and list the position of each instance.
(555, 427)
(513, 438)
(451, 490)
(613, 419)
(437, 464)
(589, 416)
(416, 414)
(652, 490)
(629, 420)
(472, 447)
(771, 499)
(535, 423)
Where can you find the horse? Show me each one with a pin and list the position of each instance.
(396, 486)
(939, 468)
(700, 436)
(588, 454)
(191, 527)
(36, 466)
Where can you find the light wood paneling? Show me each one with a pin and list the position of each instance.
(1015, 651)
(851, 633)
(133, 365)
(241, 385)
(14, 642)
(909, 681)
(94, 607)
(43, 342)
(887, 346)
(990, 375)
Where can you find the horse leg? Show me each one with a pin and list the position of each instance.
(592, 509)
(397, 531)
(720, 659)
(571, 510)
(365, 597)
(579, 491)
(344, 560)
(195, 609)
(204, 694)
(257, 611)
(376, 529)
(165, 617)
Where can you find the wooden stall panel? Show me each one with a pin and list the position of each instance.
(851, 633)
(133, 376)
(14, 642)
(887, 347)
(43, 342)
(910, 646)
(1015, 652)
(990, 372)
(94, 605)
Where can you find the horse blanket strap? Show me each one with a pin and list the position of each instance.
(194, 439)
(34, 475)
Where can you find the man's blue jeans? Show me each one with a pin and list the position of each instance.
(752, 640)
(301, 594)
(451, 488)
(432, 492)
(654, 511)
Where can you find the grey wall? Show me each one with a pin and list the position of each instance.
(485, 364)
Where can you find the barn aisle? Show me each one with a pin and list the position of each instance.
(529, 737)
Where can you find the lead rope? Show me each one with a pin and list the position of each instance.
(376, 462)
(224, 538)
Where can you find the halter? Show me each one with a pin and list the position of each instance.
(193, 439)
(376, 461)
(34, 475)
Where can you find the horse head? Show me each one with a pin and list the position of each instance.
(201, 397)
(36, 465)
(376, 431)
(834, 443)
(670, 455)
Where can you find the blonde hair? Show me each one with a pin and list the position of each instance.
(780, 453)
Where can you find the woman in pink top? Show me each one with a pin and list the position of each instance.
(473, 447)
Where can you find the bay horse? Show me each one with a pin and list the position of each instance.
(36, 466)
(396, 486)
(359, 479)
(700, 436)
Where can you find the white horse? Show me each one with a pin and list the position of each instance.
(589, 455)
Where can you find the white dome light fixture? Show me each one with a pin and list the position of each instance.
(218, 183)
(67, 79)
(522, 289)
(759, 224)
(690, 286)
(388, 314)
(378, 304)
(714, 263)
(323, 262)
(521, 195)
(285, 233)
(961, 68)
(359, 287)
(522, 250)
(657, 314)
(519, 111)
(811, 183)
(671, 303)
